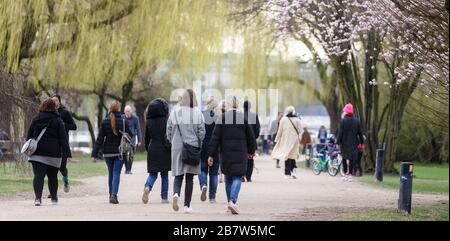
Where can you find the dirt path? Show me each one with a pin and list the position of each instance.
(269, 197)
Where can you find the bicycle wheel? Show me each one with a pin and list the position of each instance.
(316, 167)
(340, 165)
(341, 169)
(332, 168)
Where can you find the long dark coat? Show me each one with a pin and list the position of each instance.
(349, 137)
(156, 143)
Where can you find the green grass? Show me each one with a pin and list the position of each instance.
(18, 177)
(140, 156)
(428, 178)
(437, 212)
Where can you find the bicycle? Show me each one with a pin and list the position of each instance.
(320, 163)
(335, 165)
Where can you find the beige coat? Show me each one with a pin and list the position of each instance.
(287, 141)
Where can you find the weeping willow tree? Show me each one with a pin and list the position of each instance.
(103, 46)
(267, 62)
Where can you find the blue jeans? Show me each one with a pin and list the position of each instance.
(232, 187)
(164, 182)
(213, 182)
(213, 172)
(114, 165)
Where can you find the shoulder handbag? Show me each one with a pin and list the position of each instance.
(125, 141)
(190, 154)
(298, 133)
(30, 147)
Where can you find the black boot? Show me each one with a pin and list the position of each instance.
(113, 200)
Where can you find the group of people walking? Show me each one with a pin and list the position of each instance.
(53, 149)
(224, 137)
(223, 134)
(288, 139)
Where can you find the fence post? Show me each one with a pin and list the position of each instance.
(379, 165)
(405, 193)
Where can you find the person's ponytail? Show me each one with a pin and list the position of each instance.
(114, 107)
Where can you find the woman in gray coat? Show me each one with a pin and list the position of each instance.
(186, 118)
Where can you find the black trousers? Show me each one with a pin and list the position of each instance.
(40, 170)
(289, 166)
(189, 185)
(357, 163)
(128, 160)
(250, 164)
(348, 168)
(63, 168)
(128, 163)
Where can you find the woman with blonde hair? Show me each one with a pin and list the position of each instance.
(287, 141)
(185, 127)
(108, 140)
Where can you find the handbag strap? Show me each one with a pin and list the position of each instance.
(179, 130)
(298, 133)
(43, 131)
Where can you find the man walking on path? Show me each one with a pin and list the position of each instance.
(253, 121)
(322, 135)
(236, 141)
(69, 125)
(135, 128)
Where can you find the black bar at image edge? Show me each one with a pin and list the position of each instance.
(225, 231)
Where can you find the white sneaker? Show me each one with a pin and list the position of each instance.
(287, 177)
(175, 202)
(187, 209)
(212, 200)
(233, 208)
(145, 195)
(37, 202)
(344, 178)
(203, 195)
(349, 178)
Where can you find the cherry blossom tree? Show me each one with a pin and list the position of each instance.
(408, 39)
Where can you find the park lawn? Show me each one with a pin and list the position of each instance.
(428, 178)
(436, 212)
(18, 177)
(140, 156)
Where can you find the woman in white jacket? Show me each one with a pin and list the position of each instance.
(287, 141)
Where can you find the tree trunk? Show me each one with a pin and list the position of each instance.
(141, 106)
(371, 95)
(100, 106)
(127, 89)
(89, 124)
(400, 95)
(334, 114)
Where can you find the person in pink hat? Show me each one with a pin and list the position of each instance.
(348, 139)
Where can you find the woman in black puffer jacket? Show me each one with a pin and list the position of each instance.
(53, 145)
(158, 148)
(108, 140)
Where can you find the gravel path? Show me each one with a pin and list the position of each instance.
(269, 197)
